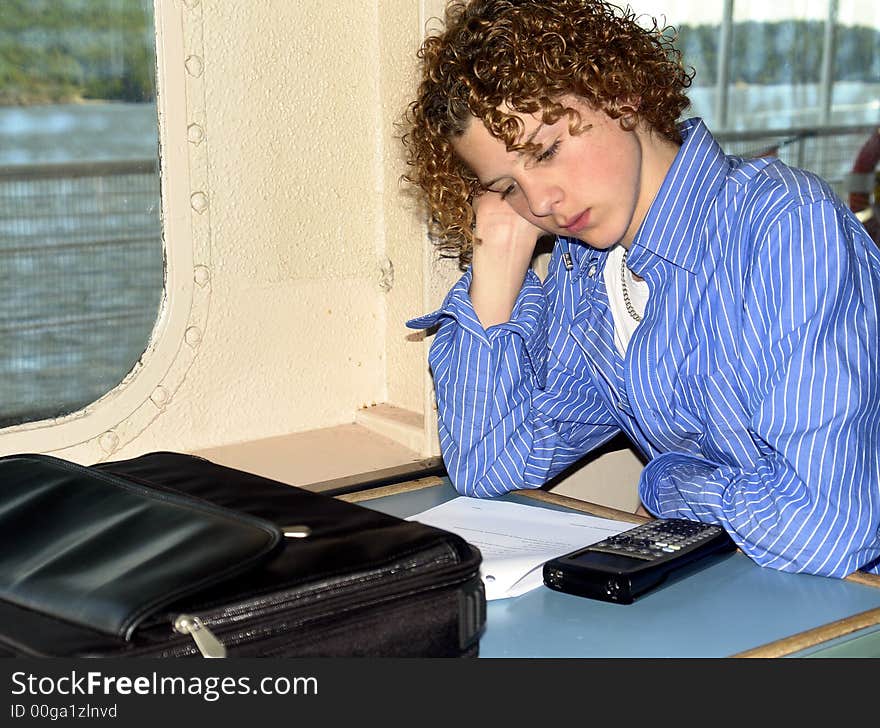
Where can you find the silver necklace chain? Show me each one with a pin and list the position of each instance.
(630, 309)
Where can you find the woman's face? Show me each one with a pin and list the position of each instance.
(596, 185)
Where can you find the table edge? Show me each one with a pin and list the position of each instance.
(778, 648)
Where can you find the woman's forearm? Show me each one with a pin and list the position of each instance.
(502, 254)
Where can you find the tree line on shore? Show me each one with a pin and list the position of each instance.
(62, 51)
(782, 52)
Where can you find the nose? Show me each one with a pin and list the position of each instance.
(542, 197)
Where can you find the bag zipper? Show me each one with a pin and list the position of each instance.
(264, 631)
(201, 627)
(206, 642)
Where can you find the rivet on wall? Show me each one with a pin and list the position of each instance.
(386, 274)
(160, 396)
(201, 275)
(195, 134)
(193, 336)
(109, 441)
(199, 201)
(194, 66)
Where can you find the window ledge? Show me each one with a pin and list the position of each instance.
(339, 459)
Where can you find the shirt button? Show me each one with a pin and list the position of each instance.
(591, 272)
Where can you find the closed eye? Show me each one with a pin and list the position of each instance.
(548, 153)
(502, 187)
(509, 190)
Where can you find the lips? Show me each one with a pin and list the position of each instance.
(577, 223)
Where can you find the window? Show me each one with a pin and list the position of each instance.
(799, 79)
(81, 259)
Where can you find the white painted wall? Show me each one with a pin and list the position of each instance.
(299, 170)
(310, 259)
(294, 259)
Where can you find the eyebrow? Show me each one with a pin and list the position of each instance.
(528, 140)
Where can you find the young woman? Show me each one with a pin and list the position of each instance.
(721, 312)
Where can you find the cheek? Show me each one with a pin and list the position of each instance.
(612, 170)
(520, 206)
(628, 163)
(616, 160)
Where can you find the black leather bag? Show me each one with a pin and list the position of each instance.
(170, 555)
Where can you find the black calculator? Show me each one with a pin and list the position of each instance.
(623, 567)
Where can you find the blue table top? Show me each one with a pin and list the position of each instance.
(728, 607)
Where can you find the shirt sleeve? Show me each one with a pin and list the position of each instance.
(501, 428)
(811, 500)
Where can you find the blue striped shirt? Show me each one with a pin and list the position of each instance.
(752, 385)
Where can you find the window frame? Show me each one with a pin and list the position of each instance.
(106, 425)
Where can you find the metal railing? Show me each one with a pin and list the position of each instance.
(81, 277)
(81, 265)
(828, 151)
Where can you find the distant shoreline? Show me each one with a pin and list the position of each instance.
(73, 100)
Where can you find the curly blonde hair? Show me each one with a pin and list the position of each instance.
(526, 55)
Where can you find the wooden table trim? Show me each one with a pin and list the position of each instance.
(779, 648)
(813, 637)
(394, 489)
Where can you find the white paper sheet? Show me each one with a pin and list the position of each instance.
(516, 539)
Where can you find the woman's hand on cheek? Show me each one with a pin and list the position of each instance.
(499, 224)
(503, 249)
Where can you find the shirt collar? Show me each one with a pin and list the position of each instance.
(671, 227)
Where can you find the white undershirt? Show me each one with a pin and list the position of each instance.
(624, 324)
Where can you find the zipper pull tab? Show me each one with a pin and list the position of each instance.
(205, 640)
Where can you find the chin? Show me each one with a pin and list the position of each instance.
(598, 243)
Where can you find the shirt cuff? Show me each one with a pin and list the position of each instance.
(457, 306)
(528, 319)
(673, 485)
